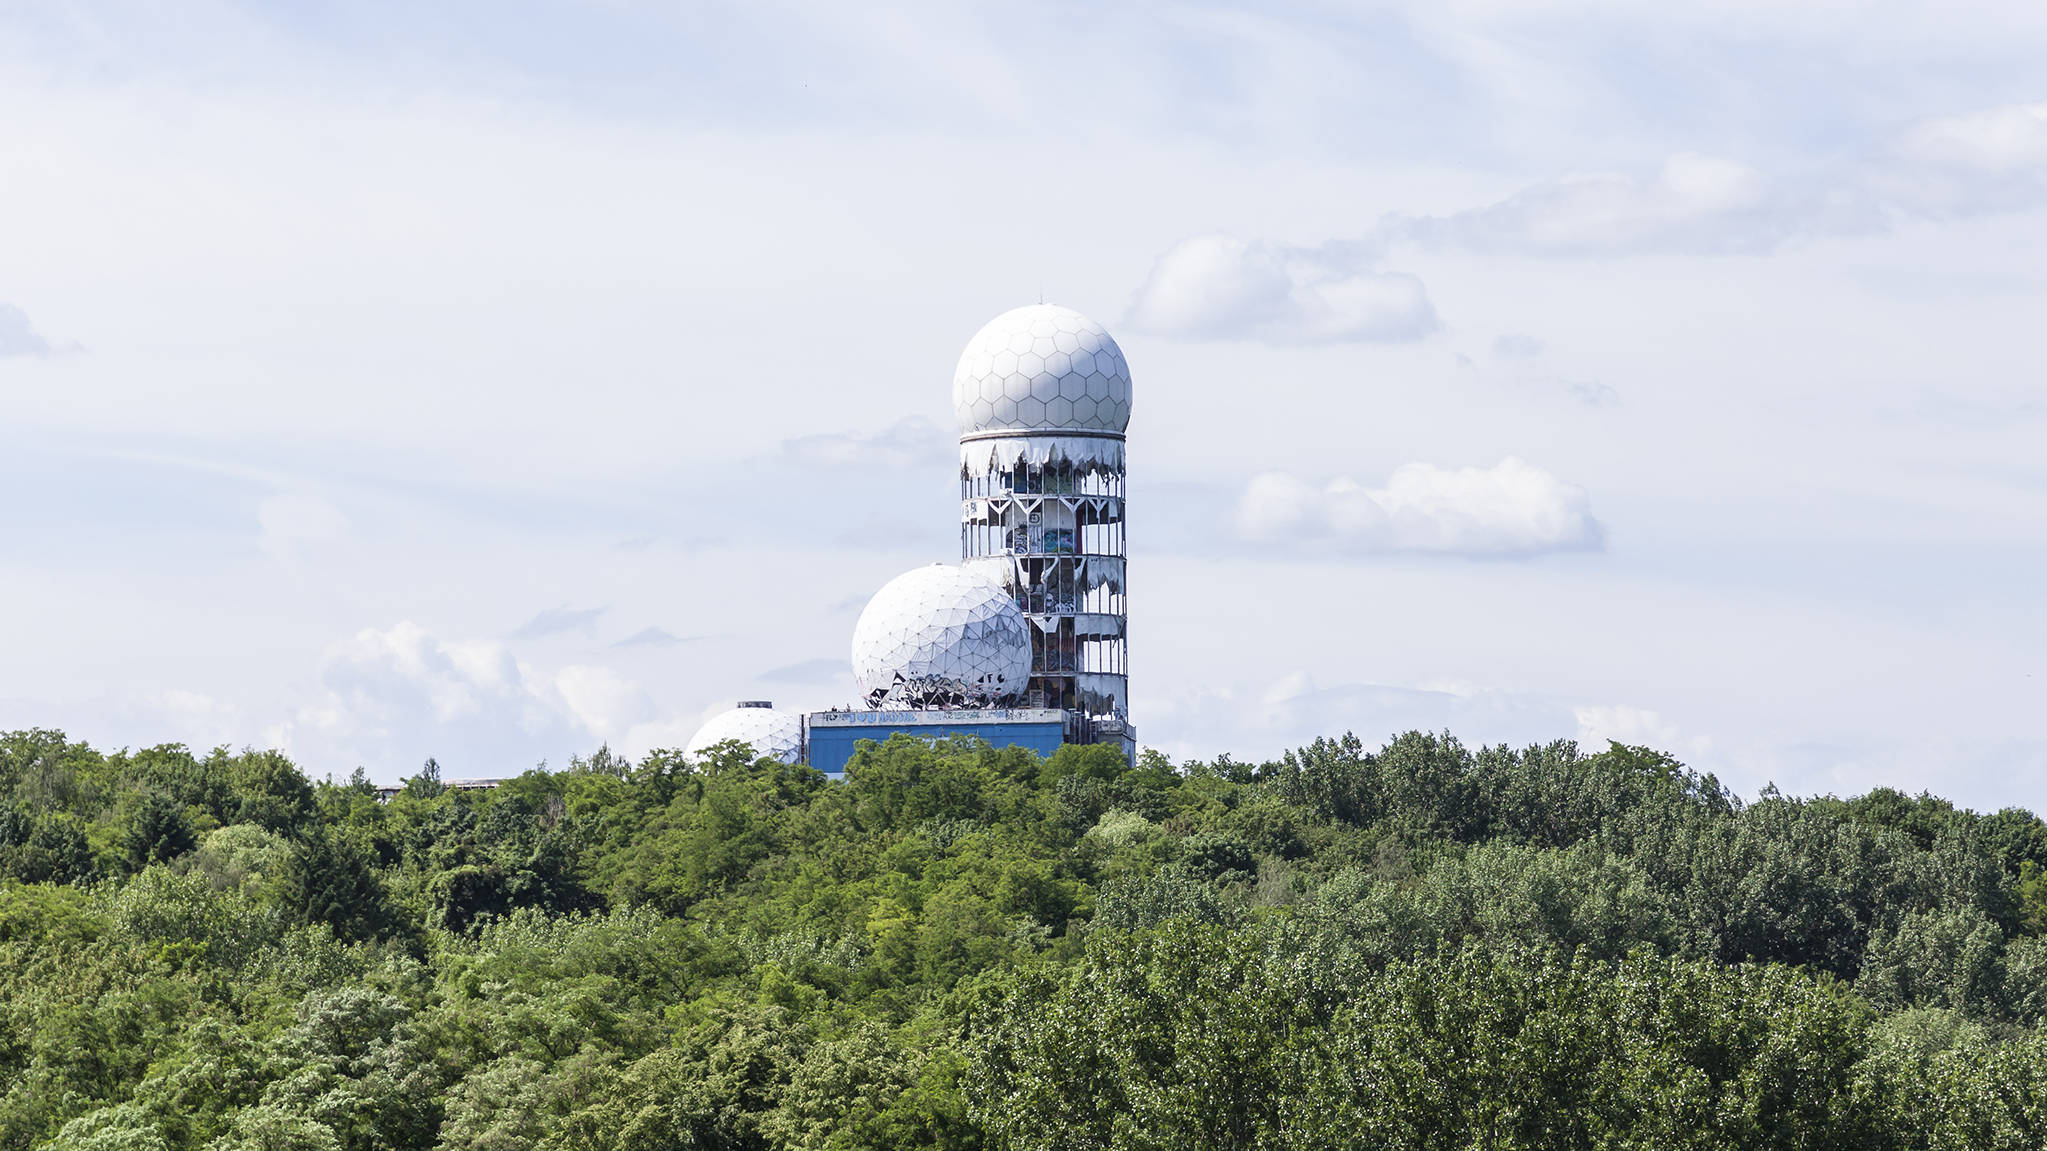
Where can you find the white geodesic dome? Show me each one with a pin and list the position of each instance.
(1041, 368)
(775, 734)
(941, 636)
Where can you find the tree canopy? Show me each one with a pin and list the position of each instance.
(1421, 945)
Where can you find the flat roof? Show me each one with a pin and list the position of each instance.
(952, 718)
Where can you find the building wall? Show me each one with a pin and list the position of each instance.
(831, 746)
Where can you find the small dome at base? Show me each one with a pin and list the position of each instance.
(778, 735)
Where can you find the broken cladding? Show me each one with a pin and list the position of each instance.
(1035, 614)
(1042, 397)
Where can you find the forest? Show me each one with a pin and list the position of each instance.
(1420, 945)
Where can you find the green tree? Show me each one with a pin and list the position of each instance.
(331, 879)
(157, 832)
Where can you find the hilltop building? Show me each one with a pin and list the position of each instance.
(1025, 642)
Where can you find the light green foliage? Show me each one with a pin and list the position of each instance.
(240, 855)
(1952, 958)
(124, 1127)
(1419, 946)
(269, 1128)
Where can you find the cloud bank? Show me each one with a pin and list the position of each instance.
(1691, 203)
(907, 443)
(1511, 509)
(1980, 162)
(18, 337)
(389, 698)
(1222, 288)
(1994, 159)
(1634, 727)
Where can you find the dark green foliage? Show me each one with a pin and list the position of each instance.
(330, 879)
(158, 831)
(50, 848)
(1419, 946)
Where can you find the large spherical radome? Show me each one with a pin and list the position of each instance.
(941, 636)
(1041, 368)
(777, 735)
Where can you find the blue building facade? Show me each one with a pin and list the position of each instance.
(833, 735)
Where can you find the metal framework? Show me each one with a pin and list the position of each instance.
(1042, 492)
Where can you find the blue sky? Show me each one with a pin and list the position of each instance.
(488, 381)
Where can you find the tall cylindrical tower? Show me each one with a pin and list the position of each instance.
(1043, 397)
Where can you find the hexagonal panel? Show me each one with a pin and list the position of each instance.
(941, 636)
(777, 735)
(1054, 353)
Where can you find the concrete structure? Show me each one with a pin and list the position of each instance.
(834, 735)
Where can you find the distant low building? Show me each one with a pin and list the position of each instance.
(387, 794)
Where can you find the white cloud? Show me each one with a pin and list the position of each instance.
(1220, 287)
(1633, 727)
(1690, 203)
(196, 719)
(907, 443)
(18, 337)
(388, 698)
(1512, 508)
(1256, 721)
(605, 702)
(1989, 160)
(392, 697)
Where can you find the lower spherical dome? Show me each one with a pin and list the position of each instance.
(941, 636)
(778, 735)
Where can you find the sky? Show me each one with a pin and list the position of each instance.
(490, 382)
